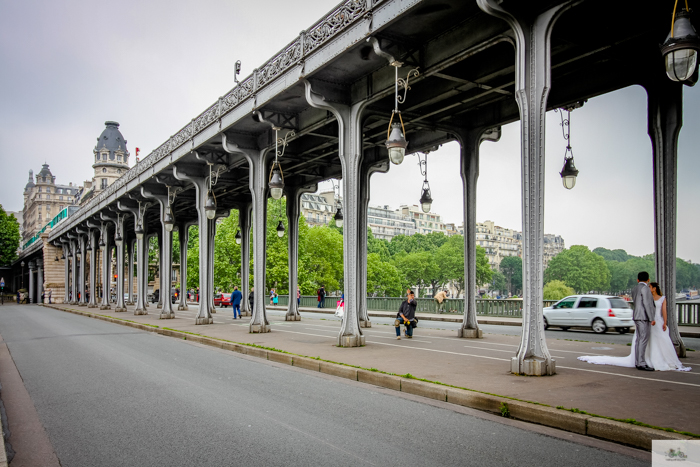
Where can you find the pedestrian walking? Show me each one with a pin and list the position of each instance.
(49, 296)
(321, 297)
(236, 298)
(272, 295)
(406, 316)
(440, 301)
(251, 298)
(298, 297)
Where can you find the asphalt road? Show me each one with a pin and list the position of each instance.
(108, 395)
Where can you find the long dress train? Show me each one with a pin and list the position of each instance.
(660, 353)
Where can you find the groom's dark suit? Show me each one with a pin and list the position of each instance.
(643, 315)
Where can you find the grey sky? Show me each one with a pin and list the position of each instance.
(70, 66)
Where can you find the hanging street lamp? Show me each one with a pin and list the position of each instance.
(568, 172)
(681, 47)
(168, 216)
(396, 142)
(280, 229)
(276, 180)
(210, 202)
(338, 218)
(426, 200)
(238, 237)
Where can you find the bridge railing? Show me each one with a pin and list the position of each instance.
(688, 313)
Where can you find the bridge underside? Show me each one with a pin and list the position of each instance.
(481, 65)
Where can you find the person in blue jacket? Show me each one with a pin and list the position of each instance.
(236, 301)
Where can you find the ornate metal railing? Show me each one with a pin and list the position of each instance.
(688, 313)
(342, 16)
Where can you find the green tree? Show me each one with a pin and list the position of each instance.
(512, 269)
(9, 237)
(324, 256)
(450, 257)
(499, 281)
(556, 290)
(378, 245)
(612, 255)
(383, 279)
(580, 269)
(484, 273)
(417, 268)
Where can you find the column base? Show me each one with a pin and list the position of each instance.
(246, 313)
(204, 321)
(82, 304)
(470, 333)
(259, 328)
(105, 307)
(120, 310)
(92, 305)
(352, 341)
(532, 367)
(366, 324)
(159, 306)
(182, 308)
(170, 315)
(292, 317)
(140, 311)
(128, 303)
(213, 310)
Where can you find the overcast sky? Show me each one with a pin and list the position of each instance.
(69, 66)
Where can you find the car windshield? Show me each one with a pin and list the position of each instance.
(616, 302)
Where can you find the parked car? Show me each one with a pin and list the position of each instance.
(155, 296)
(598, 312)
(222, 299)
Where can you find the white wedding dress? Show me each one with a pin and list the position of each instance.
(660, 353)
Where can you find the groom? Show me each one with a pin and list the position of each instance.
(643, 316)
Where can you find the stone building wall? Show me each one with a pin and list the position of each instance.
(54, 271)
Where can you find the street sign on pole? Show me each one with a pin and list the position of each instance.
(2, 282)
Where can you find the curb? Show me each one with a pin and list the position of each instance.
(584, 424)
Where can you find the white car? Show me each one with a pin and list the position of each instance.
(598, 312)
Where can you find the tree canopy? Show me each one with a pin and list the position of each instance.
(9, 237)
(579, 268)
(512, 269)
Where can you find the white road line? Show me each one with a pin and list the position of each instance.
(630, 376)
(499, 350)
(439, 351)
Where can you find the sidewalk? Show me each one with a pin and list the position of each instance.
(477, 365)
(685, 331)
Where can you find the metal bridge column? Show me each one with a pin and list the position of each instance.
(205, 280)
(81, 272)
(39, 280)
(350, 152)
(130, 271)
(210, 259)
(165, 255)
(119, 225)
(66, 278)
(32, 267)
(183, 236)
(293, 199)
(362, 238)
(106, 265)
(259, 192)
(244, 220)
(73, 271)
(532, 85)
(93, 269)
(665, 120)
(469, 142)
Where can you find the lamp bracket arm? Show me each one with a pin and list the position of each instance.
(378, 50)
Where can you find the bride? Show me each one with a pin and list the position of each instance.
(660, 353)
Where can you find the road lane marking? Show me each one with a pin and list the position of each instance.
(630, 376)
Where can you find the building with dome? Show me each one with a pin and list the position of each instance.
(43, 200)
(111, 161)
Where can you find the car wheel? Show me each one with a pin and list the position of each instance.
(599, 326)
(564, 328)
(546, 324)
(622, 330)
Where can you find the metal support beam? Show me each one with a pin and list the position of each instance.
(39, 279)
(119, 230)
(244, 221)
(139, 213)
(665, 120)
(470, 141)
(293, 199)
(130, 269)
(73, 270)
(82, 301)
(532, 85)
(365, 176)
(350, 151)
(106, 262)
(92, 234)
(165, 253)
(183, 237)
(66, 278)
(32, 268)
(201, 184)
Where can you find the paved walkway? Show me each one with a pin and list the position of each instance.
(666, 399)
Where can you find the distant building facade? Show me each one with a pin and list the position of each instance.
(387, 223)
(425, 222)
(43, 199)
(498, 242)
(316, 209)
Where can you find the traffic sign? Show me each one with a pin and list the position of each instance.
(2, 282)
